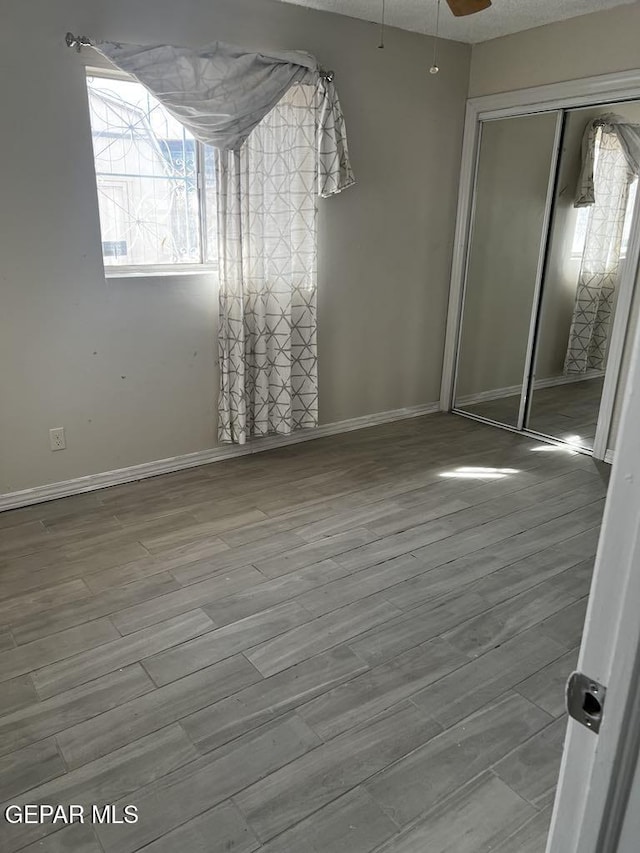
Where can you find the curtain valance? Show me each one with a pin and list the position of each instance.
(628, 135)
(220, 93)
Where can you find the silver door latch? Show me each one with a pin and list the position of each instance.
(585, 700)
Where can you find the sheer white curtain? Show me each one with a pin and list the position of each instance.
(267, 224)
(604, 186)
(277, 125)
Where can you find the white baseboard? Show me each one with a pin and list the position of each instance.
(569, 379)
(92, 482)
(487, 396)
(511, 390)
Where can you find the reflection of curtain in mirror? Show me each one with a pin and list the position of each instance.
(595, 295)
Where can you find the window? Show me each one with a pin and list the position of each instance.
(582, 221)
(628, 218)
(580, 233)
(155, 182)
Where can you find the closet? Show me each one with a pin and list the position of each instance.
(548, 255)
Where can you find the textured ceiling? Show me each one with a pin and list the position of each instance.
(504, 17)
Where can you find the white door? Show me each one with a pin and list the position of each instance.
(599, 781)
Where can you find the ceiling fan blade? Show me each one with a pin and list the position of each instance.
(460, 8)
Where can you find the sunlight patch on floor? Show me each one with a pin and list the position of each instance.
(477, 473)
(569, 442)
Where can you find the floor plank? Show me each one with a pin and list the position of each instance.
(293, 793)
(473, 820)
(532, 769)
(229, 718)
(121, 725)
(319, 635)
(253, 600)
(29, 767)
(58, 647)
(60, 713)
(473, 685)
(506, 620)
(76, 838)
(225, 642)
(546, 688)
(217, 830)
(120, 652)
(160, 608)
(351, 824)
(16, 693)
(35, 602)
(60, 618)
(453, 758)
(531, 837)
(188, 791)
(104, 781)
(458, 606)
(380, 688)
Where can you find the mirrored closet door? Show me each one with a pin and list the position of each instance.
(552, 221)
(593, 211)
(514, 164)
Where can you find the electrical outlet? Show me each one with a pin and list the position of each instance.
(56, 439)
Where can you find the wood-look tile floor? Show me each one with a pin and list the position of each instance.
(355, 644)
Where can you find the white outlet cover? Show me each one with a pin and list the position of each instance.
(56, 439)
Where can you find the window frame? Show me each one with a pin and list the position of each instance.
(157, 270)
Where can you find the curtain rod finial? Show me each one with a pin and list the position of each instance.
(77, 41)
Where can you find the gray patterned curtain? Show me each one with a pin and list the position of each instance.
(267, 229)
(268, 193)
(604, 186)
(276, 122)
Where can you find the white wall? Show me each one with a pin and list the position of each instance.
(127, 366)
(600, 43)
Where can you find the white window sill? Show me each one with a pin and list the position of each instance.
(579, 257)
(158, 272)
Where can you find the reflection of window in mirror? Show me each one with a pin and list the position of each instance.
(582, 220)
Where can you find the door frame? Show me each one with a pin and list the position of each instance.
(597, 771)
(585, 92)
